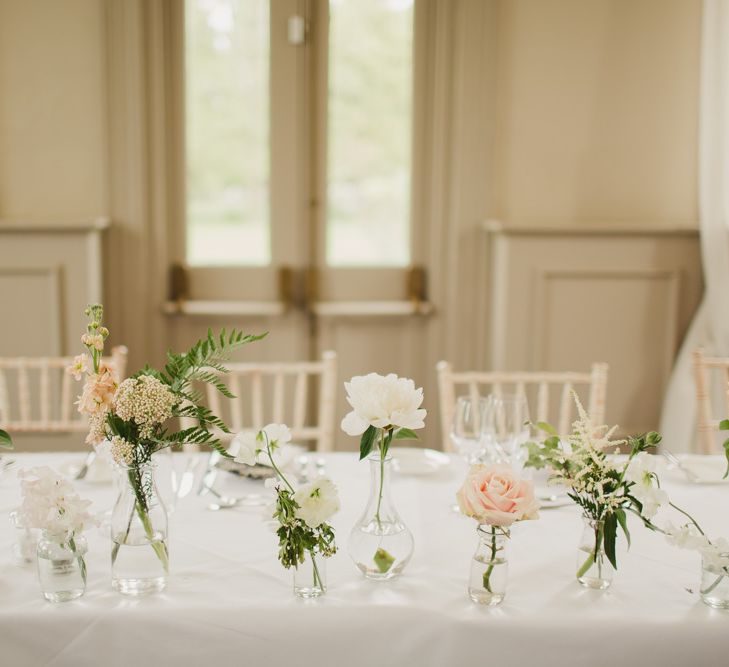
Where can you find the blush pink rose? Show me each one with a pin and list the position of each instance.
(496, 496)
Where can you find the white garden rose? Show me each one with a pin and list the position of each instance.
(382, 401)
(318, 501)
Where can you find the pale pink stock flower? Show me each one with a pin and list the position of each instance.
(98, 392)
(93, 340)
(80, 366)
(495, 495)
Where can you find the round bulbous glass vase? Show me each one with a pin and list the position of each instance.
(380, 544)
(594, 570)
(310, 577)
(714, 589)
(489, 566)
(62, 566)
(139, 554)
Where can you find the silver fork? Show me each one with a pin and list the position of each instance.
(672, 458)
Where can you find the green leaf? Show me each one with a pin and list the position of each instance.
(623, 521)
(724, 425)
(726, 453)
(5, 440)
(611, 529)
(547, 428)
(367, 441)
(552, 443)
(405, 434)
(383, 560)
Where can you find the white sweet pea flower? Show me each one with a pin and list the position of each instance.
(318, 501)
(278, 434)
(642, 471)
(382, 401)
(248, 448)
(686, 537)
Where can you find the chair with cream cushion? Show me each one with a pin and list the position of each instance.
(707, 422)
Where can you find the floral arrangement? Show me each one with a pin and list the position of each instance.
(496, 497)
(50, 504)
(302, 513)
(384, 408)
(604, 489)
(133, 415)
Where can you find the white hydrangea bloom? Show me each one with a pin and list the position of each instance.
(382, 401)
(318, 501)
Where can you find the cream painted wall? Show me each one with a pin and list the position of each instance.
(597, 110)
(52, 110)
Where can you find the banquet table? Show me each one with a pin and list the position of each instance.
(229, 601)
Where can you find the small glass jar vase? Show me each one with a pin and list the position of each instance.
(489, 566)
(25, 546)
(310, 577)
(61, 567)
(139, 554)
(714, 589)
(380, 544)
(594, 570)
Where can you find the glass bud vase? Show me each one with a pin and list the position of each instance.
(594, 570)
(139, 555)
(489, 566)
(61, 567)
(25, 547)
(714, 589)
(380, 544)
(310, 577)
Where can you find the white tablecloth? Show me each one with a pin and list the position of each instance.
(229, 602)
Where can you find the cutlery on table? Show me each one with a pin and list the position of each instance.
(672, 458)
(83, 471)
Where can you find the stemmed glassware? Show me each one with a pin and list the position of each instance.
(505, 429)
(472, 417)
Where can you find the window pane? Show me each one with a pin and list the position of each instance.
(369, 142)
(227, 70)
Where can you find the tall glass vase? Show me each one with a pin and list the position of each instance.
(380, 544)
(594, 570)
(139, 555)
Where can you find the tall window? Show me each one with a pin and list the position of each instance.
(227, 56)
(369, 142)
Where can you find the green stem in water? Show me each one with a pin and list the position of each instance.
(317, 575)
(383, 453)
(594, 555)
(79, 558)
(711, 587)
(490, 569)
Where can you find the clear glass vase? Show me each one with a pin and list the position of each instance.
(310, 577)
(62, 567)
(594, 570)
(139, 554)
(380, 544)
(489, 566)
(25, 546)
(714, 589)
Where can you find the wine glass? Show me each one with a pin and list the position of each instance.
(469, 419)
(507, 429)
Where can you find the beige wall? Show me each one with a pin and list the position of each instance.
(597, 110)
(52, 110)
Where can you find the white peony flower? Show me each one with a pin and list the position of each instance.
(318, 501)
(247, 446)
(642, 471)
(382, 401)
